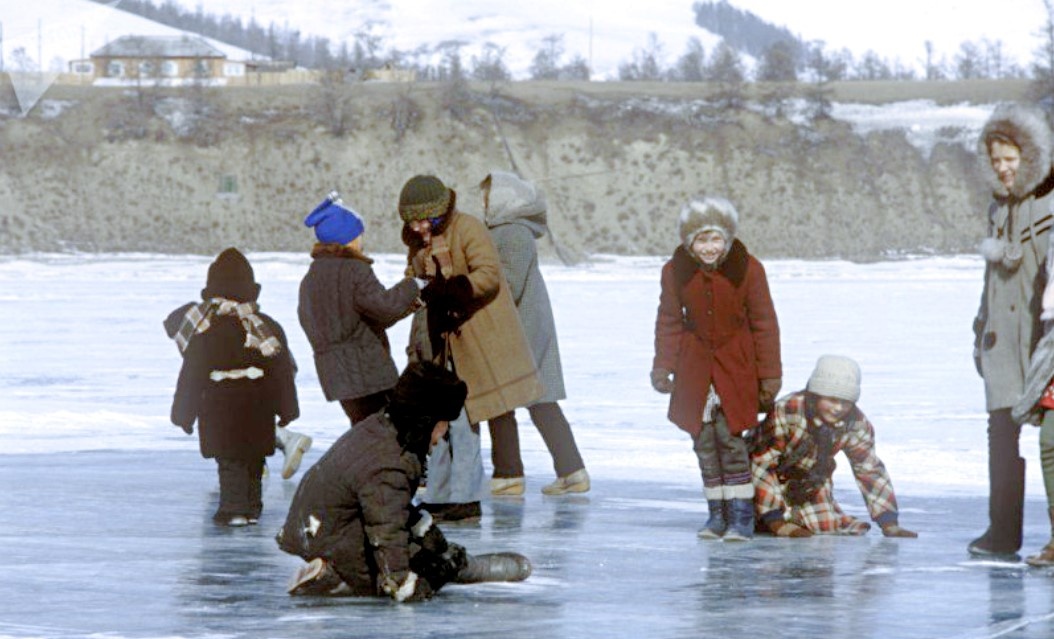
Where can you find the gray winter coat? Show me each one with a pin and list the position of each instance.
(1019, 221)
(344, 311)
(516, 216)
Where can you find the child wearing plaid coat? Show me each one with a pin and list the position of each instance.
(237, 376)
(794, 458)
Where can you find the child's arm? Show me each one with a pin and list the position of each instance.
(870, 473)
(768, 491)
(383, 307)
(669, 328)
(192, 377)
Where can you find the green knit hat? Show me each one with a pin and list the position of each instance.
(425, 196)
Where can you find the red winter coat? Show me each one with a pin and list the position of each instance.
(716, 327)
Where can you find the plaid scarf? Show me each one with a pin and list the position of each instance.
(198, 319)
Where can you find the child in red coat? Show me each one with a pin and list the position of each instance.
(717, 350)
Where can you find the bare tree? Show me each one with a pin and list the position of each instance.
(1043, 68)
(490, 66)
(691, 67)
(726, 70)
(546, 63)
(969, 63)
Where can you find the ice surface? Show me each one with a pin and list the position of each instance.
(106, 511)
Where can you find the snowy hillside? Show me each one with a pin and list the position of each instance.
(57, 31)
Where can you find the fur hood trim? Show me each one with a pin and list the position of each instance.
(322, 249)
(1028, 127)
(733, 267)
(708, 214)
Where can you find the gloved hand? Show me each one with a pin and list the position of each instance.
(894, 530)
(768, 389)
(406, 587)
(662, 380)
(788, 529)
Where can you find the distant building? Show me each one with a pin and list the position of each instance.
(160, 60)
(388, 73)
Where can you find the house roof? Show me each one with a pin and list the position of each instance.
(133, 46)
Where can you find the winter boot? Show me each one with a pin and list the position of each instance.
(499, 566)
(507, 486)
(316, 578)
(717, 523)
(1046, 555)
(1003, 538)
(576, 482)
(293, 445)
(741, 520)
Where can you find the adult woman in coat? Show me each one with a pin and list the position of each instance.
(515, 212)
(1016, 147)
(471, 326)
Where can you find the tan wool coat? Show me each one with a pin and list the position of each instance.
(490, 351)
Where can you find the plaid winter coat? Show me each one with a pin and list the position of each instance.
(716, 327)
(344, 310)
(785, 452)
(236, 417)
(489, 351)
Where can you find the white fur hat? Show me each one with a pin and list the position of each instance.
(703, 214)
(835, 376)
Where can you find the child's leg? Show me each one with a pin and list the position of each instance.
(230, 487)
(254, 478)
(705, 446)
(1046, 455)
(736, 486)
(821, 515)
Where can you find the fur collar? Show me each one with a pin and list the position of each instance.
(1028, 128)
(733, 267)
(338, 250)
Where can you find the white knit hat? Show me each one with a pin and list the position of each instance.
(835, 376)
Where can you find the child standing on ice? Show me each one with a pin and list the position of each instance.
(237, 376)
(717, 350)
(794, 458)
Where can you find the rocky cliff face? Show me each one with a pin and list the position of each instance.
(116, 171)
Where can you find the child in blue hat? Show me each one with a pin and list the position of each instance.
(344, 310)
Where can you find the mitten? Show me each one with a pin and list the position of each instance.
(894, 530)
(788, 529)
(662, 380)
(768, 389)
(406, 586)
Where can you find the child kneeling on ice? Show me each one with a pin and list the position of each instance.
(237, 376)
(352, 518)
(794, 453)
(717, 335)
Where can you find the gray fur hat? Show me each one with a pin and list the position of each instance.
(702, 214)
(1028, 129)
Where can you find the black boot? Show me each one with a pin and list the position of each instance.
(717, 523)
(499, 566)
(1003, 538)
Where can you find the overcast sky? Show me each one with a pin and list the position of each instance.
(899, 28)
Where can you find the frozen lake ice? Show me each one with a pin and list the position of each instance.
(106, 518)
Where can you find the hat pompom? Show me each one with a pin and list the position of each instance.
(835, 376)
(335, 223)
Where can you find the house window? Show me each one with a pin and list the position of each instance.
(169, 68)
(115, 69)
(228, 187)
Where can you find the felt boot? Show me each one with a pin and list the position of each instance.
(741, 520)
(717, 523)
(499, 566)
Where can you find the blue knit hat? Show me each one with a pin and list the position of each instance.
(335, 223)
